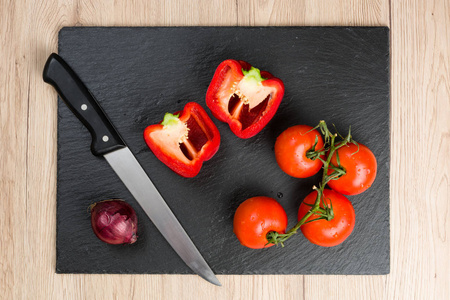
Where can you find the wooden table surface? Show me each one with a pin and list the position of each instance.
(420, 147)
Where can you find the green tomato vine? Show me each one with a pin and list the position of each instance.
(331, 145)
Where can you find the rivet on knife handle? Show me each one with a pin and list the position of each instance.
(76, 96)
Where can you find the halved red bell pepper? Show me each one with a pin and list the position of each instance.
(184, 140)
(244, 97)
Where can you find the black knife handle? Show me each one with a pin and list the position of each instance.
(77, 97)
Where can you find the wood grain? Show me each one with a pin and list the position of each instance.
(420, 125)
(421, 134)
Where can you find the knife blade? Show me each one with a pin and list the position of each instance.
(107, 142)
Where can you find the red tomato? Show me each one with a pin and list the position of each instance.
(255, 217)
(360, 166)
(291, 148)
(328, 233)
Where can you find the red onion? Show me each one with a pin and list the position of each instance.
(114, 221)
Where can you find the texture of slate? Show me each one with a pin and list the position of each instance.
(339, 74)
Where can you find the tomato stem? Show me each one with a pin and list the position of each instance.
(326, 211)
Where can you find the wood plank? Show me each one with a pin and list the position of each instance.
(14, 99)
(44, 20)
(39, 271)
(421, 141)
(313, 13)
(329, 13)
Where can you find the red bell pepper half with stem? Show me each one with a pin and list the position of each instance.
(184, 140)
(244, 97)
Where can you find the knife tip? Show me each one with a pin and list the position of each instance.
(211, 278)
(214, 281)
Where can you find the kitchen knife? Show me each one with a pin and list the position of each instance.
(107, 142)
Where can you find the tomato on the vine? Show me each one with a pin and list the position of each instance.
(360, 166)
(323, 232)
(291, 148)
(255, 217)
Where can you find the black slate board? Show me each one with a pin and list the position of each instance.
(337, 74)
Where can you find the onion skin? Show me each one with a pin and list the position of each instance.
(114, 222)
